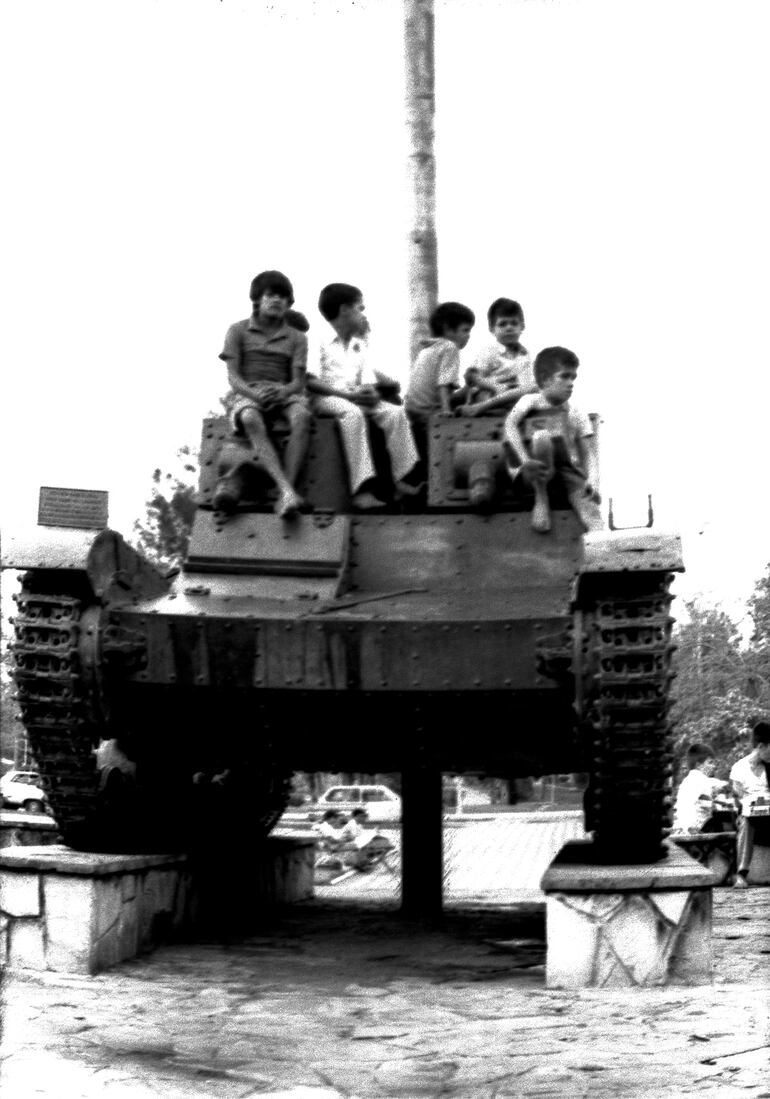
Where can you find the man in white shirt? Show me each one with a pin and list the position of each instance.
(344, 386)
(750, 780)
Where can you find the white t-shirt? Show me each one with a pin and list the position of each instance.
(345, 368)
(690, 813)
(749, 781)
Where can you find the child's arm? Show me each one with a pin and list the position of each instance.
(592, 465)
(512, 432)
(474, 379)
(500, 400)
(445, 397)
(298, 368)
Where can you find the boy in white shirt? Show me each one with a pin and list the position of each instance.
(344, 386)
(694, 805)
(502, 372)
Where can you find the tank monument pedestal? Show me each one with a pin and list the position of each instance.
(80, 912)
(627, 926)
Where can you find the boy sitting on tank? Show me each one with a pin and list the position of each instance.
(547, 438)
(344, 385)
(501, 372)
(434, 380)
(266, 361)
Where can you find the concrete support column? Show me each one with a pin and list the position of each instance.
(422, 866)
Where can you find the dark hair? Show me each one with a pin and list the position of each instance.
(699, 753)
(359, 813)
(334, 296)
(760, 734)
(504, 307)
(271, 280)
(450, 315)
(297, 320)
(331, 813)
(550, 360)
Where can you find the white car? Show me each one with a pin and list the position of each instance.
(22, 790)
(380, 802)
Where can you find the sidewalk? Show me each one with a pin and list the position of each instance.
(355, 1002)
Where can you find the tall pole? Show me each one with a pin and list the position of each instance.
(420, 113)
(421, 832)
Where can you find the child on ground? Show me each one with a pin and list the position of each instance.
(546, 437)
(695, 802)
(434, 381)
(502, 372)
(266, 361)
(344, 386)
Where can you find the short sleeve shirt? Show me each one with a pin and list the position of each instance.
(436, 365)
(264, 355)
(690, 812)
(504, 368)
(560, 421)
(345, 368)
(749, 781)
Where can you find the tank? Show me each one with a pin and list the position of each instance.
(442, 632)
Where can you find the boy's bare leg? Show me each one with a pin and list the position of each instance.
(587, 509)
(254, 426)
(299, 437)
(542, 451)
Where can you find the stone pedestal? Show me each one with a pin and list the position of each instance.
(77, 912)
(285, 868)
(624, 926)
(27, 830)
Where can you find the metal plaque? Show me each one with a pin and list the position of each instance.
(85, 508)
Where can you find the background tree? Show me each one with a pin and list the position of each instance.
(714, 700)
(759, 644)
(164, 532)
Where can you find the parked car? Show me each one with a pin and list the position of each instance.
(380, 802)
(22, 790)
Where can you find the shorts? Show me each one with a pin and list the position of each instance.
(273, 410)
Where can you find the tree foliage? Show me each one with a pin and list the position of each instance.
(163, 533)
(723, 684)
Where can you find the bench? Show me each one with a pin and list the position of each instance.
(716, 850)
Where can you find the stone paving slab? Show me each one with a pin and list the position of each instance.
(338, 1000)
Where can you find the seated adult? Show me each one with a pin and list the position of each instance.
(750, 780)
(266, 361)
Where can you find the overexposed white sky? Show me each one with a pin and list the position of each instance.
(603, 161)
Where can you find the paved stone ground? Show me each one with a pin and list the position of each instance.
(336, 1000)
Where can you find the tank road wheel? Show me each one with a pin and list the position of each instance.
(627, 656)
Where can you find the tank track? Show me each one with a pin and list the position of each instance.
(55, 704)
(628, 650)
(56, 695)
